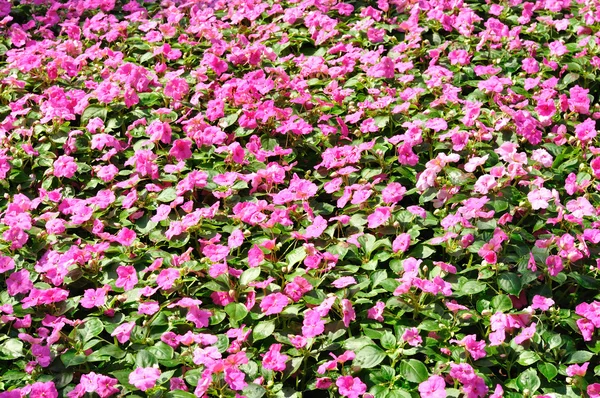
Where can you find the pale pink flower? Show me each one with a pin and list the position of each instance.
(123, 331)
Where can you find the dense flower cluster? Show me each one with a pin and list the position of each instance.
(248, 198)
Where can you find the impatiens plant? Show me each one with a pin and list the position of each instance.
(267, 198)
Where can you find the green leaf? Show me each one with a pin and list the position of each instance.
(71, 358)
(528, 380)
(236, 311)
(105, 353)
(262, 330)
(469, 288)
(249, 275)
(413, 371)
(570, 78)
(378, 276)
(11, 349)
(357, 343)
(254, 391)
(161, 351)
(422, 251)
(369, 356)
(295, 256)
(548, 370)
(91, 328)
(579, 357)
(502, 303)
(528, 358)
(167, 195)
(93, 111)
(145, 359)
(179, 394)
(510, 283)
(388, 341)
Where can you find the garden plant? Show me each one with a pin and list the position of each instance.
(299, 198)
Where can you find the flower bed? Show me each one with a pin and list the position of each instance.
(252, 198)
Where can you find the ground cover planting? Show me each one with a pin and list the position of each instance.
(305, 198)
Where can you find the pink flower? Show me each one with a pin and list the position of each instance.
(379, 217)
(539, 198)
(313, 325)
(392, 193)
(526, 334)
(401, 243)
(123, 331)
(593, 390)
(323, 383)
(498, 392)
(579, 101)
(65, 166)
(94, 297)
(555, 265)
(43, 390)
(411, 336)
(577, 370)
(351, 387)
(348, 313)
(344, 281)
(144, 378)
(148, 308)
(376, 312)
(273, 360)
(127, 277)
(19, 282)
(541, 303)
(167, 277)
(586, 131)
(182, 149)
(235, 378)
(177, 89)
(475, 348)
(274, 303)
(255, 256)
(434, 387)
(6, 264)
(126, 236)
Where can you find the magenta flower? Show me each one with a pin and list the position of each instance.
(351, 387)
(593, 390)
(274, 303)
(126, 236)
(43, 390)
(177, 88)
(6, 264)
(434, 387)
(127, 277)
(144, 378)
(65, 166)
(273, 359)
(312, 325)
